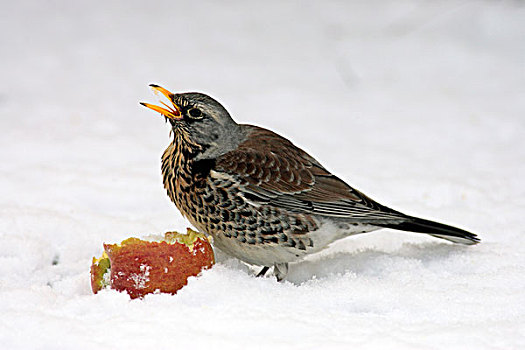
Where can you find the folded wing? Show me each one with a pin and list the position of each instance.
(278, 173)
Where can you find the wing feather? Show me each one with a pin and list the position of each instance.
(277, 172)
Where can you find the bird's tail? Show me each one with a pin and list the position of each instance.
(435, 229)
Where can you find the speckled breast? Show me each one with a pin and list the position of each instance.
(215, 204)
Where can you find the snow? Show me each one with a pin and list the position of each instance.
(420, 105)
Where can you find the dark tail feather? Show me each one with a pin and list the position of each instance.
(435, 229)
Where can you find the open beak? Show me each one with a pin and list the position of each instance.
(169, 112)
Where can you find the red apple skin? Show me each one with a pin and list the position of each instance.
(141, 267)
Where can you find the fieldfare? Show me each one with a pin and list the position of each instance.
(264, 200)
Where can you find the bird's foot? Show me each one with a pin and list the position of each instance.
(263, 271)
(280, 271)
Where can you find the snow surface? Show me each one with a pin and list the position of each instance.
(421, 105)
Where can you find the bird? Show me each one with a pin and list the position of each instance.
(262, 199)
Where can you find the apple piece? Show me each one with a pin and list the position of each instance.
(100, 273)
(140, 266)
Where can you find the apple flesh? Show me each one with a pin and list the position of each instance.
(140, 267)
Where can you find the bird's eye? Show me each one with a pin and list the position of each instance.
(195, 113)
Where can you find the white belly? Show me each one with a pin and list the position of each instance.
(268, 254)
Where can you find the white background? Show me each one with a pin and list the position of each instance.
(421, 105)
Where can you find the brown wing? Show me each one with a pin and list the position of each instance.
(278, 173)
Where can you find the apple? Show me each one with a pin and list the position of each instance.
(143, 266)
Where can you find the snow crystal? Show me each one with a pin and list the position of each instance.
(195, 251)
(141, 279)
(106, 278)
(418, 104)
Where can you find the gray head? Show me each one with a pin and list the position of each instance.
(200, 120)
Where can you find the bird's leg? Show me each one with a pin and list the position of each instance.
(263, 271)
(280, 270)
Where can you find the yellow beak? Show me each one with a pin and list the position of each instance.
(168, 112)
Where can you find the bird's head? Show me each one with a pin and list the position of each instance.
(200, 119)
